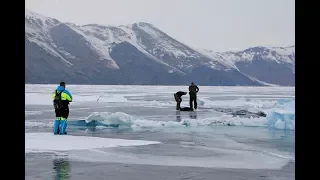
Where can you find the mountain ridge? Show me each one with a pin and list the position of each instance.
(93, 45)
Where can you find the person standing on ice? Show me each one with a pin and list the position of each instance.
(177, 97)
(193, 90)
(61, 99)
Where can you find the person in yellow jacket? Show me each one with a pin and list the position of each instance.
(61, 99)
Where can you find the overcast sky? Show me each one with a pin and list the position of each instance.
(219, 25)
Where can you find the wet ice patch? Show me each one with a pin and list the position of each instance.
(36, 124)
(27, 113)
(46, 98)
(99, 98)
(38, 99)
(237, 103)
(221, 158)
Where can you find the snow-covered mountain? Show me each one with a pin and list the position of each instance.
(133, 54)
(275, 65)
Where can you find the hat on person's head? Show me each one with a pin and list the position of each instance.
(62, 84)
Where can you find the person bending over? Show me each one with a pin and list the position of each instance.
(177, 97)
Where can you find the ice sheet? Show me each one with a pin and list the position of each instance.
(51, 142)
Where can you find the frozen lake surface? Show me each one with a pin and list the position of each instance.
(134, 132)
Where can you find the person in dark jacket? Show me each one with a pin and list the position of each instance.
(193, 90)
(177, 97)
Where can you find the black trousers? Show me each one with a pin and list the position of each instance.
(193, 100)
(178, 100)
(63, 112)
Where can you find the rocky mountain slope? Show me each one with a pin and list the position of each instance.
(139, 54)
